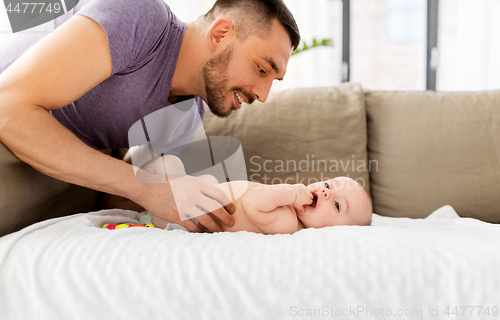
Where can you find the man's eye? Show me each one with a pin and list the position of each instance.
(262, 71)
(327, 185)
(337, 205)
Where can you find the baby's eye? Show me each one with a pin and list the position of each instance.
(337, 205)
(327, 185)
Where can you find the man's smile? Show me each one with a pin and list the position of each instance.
(238, 100)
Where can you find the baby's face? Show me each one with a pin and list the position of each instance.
(339, 201)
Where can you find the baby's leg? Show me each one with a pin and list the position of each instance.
(208, 178)
(171, 165)
(174, 168)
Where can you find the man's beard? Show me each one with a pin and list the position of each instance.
(215, 77)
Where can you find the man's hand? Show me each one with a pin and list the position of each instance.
(188, 197)
(303, 197)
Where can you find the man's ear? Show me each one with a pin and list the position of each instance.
(222, 29)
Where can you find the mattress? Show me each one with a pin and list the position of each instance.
(441, 267)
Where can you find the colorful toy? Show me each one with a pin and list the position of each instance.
(137, 225)
(145, 222)
(146, 219)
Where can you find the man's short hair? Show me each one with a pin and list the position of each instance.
(256, 17)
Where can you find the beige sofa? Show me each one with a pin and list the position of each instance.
(28, 196)
(414, 152)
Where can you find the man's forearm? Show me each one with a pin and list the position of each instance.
(38, 139)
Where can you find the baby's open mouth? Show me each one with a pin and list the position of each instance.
(315, 200)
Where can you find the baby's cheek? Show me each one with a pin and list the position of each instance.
(323, 222)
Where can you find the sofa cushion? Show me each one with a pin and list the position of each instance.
(300, 136)
(28, 196)
(434, 149)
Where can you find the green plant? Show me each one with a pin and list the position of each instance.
(316, 43)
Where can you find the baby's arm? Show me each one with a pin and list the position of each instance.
(267, 206)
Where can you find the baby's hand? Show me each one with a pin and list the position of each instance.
(315, 188)
(303, 197)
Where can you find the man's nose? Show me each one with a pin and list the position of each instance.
(261, 90)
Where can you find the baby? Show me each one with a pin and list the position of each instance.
(285, 208)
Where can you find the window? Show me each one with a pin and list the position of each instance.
(468, 45)
(388, 44)
(404, 21)
(321, 66)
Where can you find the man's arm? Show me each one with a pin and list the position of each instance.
(56, 71)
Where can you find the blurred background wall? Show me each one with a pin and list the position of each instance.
(384, 44)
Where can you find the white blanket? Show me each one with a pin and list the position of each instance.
(398, 268)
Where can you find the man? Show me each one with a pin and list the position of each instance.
(111, 63)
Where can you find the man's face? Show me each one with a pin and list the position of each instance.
(244, 71)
